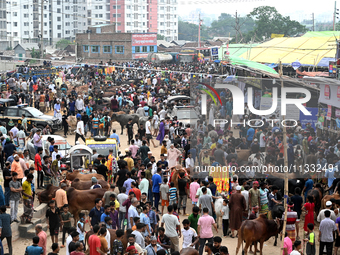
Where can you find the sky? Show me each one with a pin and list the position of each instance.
(296, 9)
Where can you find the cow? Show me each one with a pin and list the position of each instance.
(79, 200)
(317, 194)
(277, 212)
(143, 120)
(218, 205)
(113, 237)
(262, 158)
(84, 185)
(326, 198)
(123, 119)
(174, 177)
(189, 251)
(48, 194)
(258, 230)
(72, 122)
(82, 177)
(243, 155)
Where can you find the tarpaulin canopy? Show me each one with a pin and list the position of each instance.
(322, 34)
(309, 51)
(254, 65)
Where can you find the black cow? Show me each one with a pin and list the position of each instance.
(277, 212)
(123, 119)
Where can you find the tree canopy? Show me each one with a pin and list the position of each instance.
(62, 44)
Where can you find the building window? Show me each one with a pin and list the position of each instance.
(59, 35)
(67, 32)
(58, 10)
(67, 16)
(15, 33)
(107, 49)
(145, 49)
(45, 32)
(95, 49)
(119, 49)
(100, 7)
(162, 23)
(45, 24)
(59, 27)
(58, 18)
(58, 2)
(26, 15)
(26, 24)
(127, 7)
(26, 33)
(127, 15)
(128, 23)
(67, 7)
(15, 14)
(152, 48)
(15, 24)
(100, 15)
(26, 6)
(137, 49)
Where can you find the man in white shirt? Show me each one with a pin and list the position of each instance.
(148, 132)
(162, 114)
(189, 162)
(80, 130)
(171, 221)
(79, 104)
(189, 234)
(262, 142)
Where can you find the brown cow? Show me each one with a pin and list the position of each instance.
(258, 230)
(84, 185)
(79, 200)
(326, 198)
(174, 177)
(83, 177)
(72, 122)
(48, 194)
(243, 155)
(189, 251)
(113, 237)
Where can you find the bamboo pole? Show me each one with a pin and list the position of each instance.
(286, 168)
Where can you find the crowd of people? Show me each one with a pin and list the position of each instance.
(145, 211)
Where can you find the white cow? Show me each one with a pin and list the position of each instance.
(218, 208)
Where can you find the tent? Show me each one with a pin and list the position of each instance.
(309, 51)
(251, 64)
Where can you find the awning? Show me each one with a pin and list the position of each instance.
(251, 64)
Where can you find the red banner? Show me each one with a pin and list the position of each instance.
(329, 112)
(144, 39)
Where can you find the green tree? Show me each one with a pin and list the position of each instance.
(160, 37)
(189, 32)
(62, 44)
(269, 21)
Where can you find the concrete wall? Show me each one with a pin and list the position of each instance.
(8, 66)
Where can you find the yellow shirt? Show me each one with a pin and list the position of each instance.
(130, 163)
(164, 150)
(26, 188)
(213, 146)
(117, 205)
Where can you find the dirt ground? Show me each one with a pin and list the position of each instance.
(20, 244)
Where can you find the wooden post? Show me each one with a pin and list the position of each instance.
(286, 167)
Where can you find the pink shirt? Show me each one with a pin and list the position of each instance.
(287, 243)
(42, 240)
(133, 149)
(206, 222)
(194, 186)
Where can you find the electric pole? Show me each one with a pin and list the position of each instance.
(335, 15)
(313, 21)
(42, 30)
(199, 30)
(236, 25)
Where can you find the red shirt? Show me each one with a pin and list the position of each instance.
(37, 159)
(94, 243)
(137, 193)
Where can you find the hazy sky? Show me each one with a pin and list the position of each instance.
(297, 9)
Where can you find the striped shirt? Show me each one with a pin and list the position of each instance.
(172, 193)
(263, 196)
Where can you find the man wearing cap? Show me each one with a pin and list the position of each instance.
(131, 250)
(60, 196)
(237, 205)
(254, 196)
(95, 184)
(255, 147)
(321, 215)
(140, 111)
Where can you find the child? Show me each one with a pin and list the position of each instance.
(310, 240)
(65, 222)
(152, 216)
(117, 246)
(108, 222)
(297, 248)
(172, 194)
(81, 227)
(114, 215)
(55, 249)
(225, 217)
(53, 217)
(164, 190)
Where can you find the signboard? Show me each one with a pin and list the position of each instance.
(139, 55)
(330, 95)
(337, 113)
(188, 51)
(277, 35)
(144, 39)
(313, 119)
(214, 51)
(329, 112)
(254, 81)
(296, 65)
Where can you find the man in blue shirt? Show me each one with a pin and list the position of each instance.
(115, 136)
(127, 183)
(156, 182)
(308, 186)
(34, 249)
(250, 135)
(96, 212)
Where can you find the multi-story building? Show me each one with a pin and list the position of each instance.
(3, 25)
(61, 19)
(146, 16)
(98, 12)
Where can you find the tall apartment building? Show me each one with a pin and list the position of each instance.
(146, 16)
(61, 18)
(98, 12)
(3, 25)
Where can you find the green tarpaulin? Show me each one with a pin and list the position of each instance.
(322, 34)
(251, 64)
